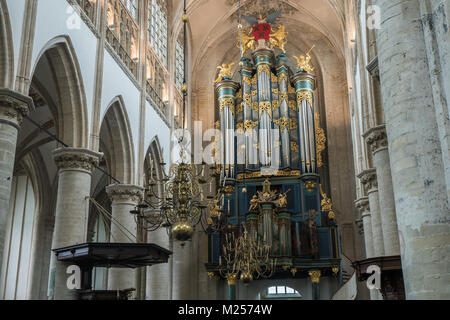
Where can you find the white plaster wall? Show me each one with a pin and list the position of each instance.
(154, 126)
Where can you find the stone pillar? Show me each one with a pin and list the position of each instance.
(124, 198)
(74, 185)
(182, 275)
(369, 179)
(377, 140)
(158, 275)
(418, 174)
(362, 205)
(13, 107)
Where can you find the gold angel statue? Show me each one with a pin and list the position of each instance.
(225, 71)
(303, 62)
(278, 38)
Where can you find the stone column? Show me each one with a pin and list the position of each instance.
(158, 275)
(362, 205)
(377, 140)
(369, 179)
(13, 107)
(182, 274)
(74, 185)
(418, 174)
(124, 198)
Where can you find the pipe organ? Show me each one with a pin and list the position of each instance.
(270, 154)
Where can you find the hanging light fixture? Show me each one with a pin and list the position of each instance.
(177, 198)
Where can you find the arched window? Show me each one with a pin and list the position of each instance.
(179, 64)
(132, 7)
(280, 292)
(157, 28)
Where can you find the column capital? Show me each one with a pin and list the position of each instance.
(369, 179)
(376, 138)
(125, 193)
(14, 106)
(76, 159)
(362, 204)
(315, 276)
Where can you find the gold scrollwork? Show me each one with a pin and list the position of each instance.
(249, 124)
(291, 89)
(282, 122)
(315, 276)
(294, 146)
(265, 106)
(278, 38)
(293, 124)
(247, 99)
(239, 107)
(247, 80)
(274, 78)
(264, 68)
(275, 90)
(275, 104)
(226, 102)
(293, 105)
(255, 106)
(283, 96)
(254, 93)
(254, 80)
(304, 95)
(321, 140)
(239, 94)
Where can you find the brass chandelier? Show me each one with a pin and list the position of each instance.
(245, 258)
(177, 199)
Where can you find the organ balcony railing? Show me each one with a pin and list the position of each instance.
(157, 81)
(122, 34)
(89, 7)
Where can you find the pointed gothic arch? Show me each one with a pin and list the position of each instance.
(6, 48)
(116, 141)
(57, 63)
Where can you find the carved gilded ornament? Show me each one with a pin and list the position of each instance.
(278, 173)
(217, 124)
(310, 185)
(283, 96)
(249, 124)
(275, 104)
(315, 276)
(254, 80)
(321, 140)
(303, 62)
(264, 68)
(247, 80)
(254, 106)
(239, 107)
(224, 71)
(226, 102)
(274, 90)
(274, 78)
(305, 95)
(278, 38)
(293, 105)
(265, 106)
(291, 89)
(248, 41)
(294, 146)
(247, 99)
